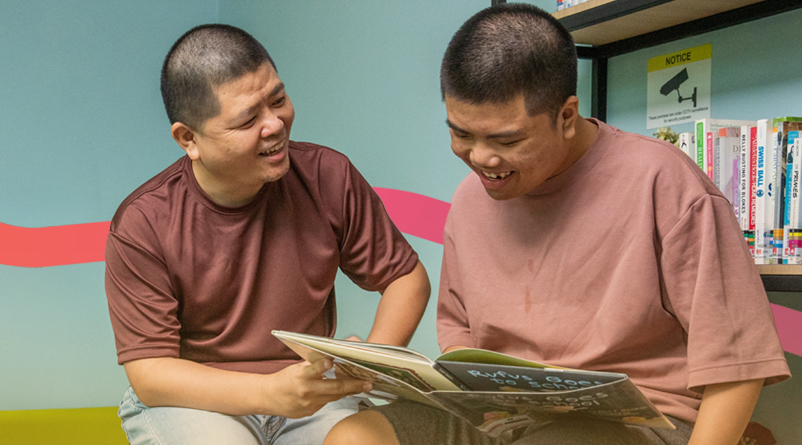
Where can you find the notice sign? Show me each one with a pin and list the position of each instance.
(679, 87)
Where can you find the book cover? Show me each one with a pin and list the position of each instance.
(687, 144)
(494, 392)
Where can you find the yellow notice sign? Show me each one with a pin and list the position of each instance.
(678, 87)
(683, 57)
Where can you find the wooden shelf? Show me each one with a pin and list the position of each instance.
(781, 277)
(599, 22)
(780, 269)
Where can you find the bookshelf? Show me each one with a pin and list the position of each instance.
(607, 28)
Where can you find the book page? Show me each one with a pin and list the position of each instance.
(409, 367)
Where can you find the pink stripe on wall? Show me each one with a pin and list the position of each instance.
(414, 214)
(52, 246)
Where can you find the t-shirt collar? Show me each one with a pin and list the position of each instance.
(582, 166)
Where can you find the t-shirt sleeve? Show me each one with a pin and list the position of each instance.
(715, 292)
(373, 252)
(140, 297)
(453, 328)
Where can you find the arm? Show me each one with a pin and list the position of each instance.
(401, 307)
(296, 391)
(725, 411)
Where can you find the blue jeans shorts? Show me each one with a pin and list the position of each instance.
(183, 426)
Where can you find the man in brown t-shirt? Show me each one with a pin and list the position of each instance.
(241, 236)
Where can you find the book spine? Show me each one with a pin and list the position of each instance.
(735, 190)
(717, 160)
(700, 144)
(744, 179)
(778, 168)
(750, 232)
(709, 154)
(792, 229)
(790, 184)
(761, 197)
(451, 377)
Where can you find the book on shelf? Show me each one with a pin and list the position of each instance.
(747, 186)
(785, 135)
(726, 150)
(765, 198)
(792, 220)
(494, 392)
(687, 143)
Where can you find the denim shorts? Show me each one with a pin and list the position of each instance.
(184, 426)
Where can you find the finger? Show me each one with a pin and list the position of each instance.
(315, 370)
(343, 387)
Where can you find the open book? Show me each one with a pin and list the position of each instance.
(494, 392)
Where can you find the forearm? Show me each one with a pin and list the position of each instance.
(296, 391)
(725, 411)
(401, 307)
(184, 383)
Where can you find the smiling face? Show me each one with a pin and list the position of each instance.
(511, 151)
(246, 144)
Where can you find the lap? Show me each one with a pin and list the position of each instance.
(144, 425)
(415, 423)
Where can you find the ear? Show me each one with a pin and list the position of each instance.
(186, 139)
(568, 116)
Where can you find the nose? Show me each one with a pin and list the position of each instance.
(483, 156)
(271, 125)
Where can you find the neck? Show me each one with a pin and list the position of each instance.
(224, 194)
(586, 132)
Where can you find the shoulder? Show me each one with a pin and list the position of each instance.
(150, 197)
(658, 164)
(323, 168)
(309, 156)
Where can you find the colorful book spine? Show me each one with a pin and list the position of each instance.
(777, 193)
(727, 149)
(792, 254)
(744, 177)
(735, 190)
(763, 224)
(752, 186)
(780, 128)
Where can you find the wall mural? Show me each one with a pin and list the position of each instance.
(414, 214)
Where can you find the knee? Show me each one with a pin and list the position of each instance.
(363, 428)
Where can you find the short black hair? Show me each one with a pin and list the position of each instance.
(510, 49)
(206, 57)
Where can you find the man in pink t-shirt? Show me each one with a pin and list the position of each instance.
(579, 245)
(244, 235)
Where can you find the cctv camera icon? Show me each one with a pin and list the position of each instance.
(674, 84)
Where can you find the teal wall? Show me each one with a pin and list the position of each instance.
(82, 125)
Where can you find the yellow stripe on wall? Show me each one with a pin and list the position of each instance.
(79, 426)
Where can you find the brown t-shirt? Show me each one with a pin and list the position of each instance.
(630, 261)
(188, 278)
